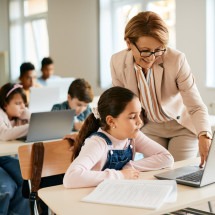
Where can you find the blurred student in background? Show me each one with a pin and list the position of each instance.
(14, 116)
(14, 119)
(80, 94)
(28, 78)
(47, 69)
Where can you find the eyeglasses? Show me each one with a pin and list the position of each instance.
(146, 53)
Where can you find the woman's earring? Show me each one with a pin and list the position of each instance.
(114, 127)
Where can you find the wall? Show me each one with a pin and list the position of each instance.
(4, 42)
(73, 32)
(191, 39)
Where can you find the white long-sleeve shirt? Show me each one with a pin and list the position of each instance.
(10, 130)
(85, 170)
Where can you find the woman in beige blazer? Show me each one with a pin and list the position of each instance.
(173, 111)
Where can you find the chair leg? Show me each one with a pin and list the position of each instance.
(210, 207)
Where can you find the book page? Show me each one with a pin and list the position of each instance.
(149, 194)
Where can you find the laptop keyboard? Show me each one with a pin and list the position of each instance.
(195, 176)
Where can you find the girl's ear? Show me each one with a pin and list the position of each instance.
(110, 121)
(128, 43)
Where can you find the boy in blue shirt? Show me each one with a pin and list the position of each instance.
(80, 94)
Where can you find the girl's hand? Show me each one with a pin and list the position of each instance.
(71, 136)
(130, 173)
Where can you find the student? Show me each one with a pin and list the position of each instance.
(11, 199)
(13, 124)
(28, 78)
(175, 115)
(80, 94)
(47, 69)
(109, 153)
(14, 116)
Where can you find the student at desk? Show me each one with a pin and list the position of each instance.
(28, 78)
(80, 94)
(47, 69)
(107, 142)
(14, 116)
(13, 124)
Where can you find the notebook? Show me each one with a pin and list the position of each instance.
(50, 125)
(193, 175)
(42, 99)
(150, 194)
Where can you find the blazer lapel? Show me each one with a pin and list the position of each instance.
(130, 74)
(158, 75)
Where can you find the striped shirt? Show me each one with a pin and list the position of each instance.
(148, 96)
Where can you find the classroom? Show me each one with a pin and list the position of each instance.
(78, 41)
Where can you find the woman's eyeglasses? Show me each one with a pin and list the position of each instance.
(147, 53)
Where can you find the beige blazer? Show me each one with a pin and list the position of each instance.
(175, 87)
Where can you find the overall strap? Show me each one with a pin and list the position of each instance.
(102, 135)
(37, 165)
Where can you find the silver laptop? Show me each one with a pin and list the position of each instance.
(42, 99)
(193, 175)
(63, 85)
(50, 125)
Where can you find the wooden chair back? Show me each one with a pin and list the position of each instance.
(57, 158)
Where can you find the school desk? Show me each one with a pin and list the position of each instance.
(64, 201)
(10, 147)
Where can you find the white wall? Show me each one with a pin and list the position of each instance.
(73, 32)
(4, 42)
(191, 39)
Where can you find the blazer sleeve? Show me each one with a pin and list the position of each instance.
(191, 97)
(114, 73)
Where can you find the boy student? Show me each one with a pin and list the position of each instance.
(28, 78)
(47, 69)
(80, 94)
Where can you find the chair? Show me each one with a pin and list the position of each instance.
(43, 159)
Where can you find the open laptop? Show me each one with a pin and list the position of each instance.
(42, 99)
(193, 175)
(50, 125)
(63, 85)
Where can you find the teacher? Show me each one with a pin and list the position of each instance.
(173, 111)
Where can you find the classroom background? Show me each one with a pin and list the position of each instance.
(74, 35)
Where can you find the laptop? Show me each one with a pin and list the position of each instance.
(63, 85)
(193, 175)
(42, 99)
(50, 125)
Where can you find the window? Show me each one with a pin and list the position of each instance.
(114, 15)
(28, 33)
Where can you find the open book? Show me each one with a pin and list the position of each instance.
(150, 194)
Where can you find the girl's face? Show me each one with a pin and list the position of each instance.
(145, 43)
(15, 107)
(128, 123)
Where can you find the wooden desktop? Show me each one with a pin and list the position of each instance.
(64, 201)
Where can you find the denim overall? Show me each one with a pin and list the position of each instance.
(116, 159)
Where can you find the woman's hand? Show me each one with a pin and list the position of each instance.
(204, 145)
(130, 173)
